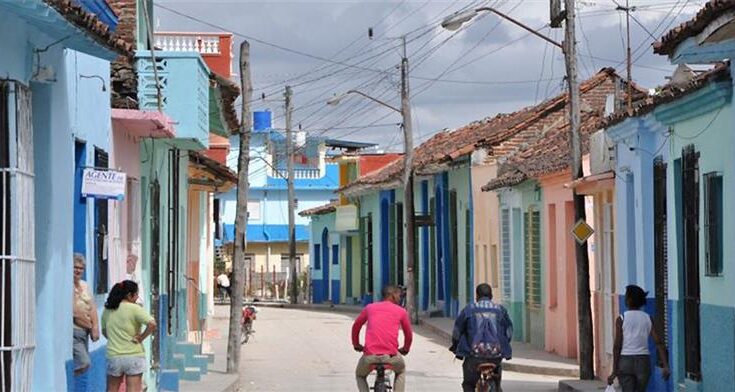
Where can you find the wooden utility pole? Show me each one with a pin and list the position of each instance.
(584, 310)
(291, 200)
(411, 304)
(241, 217)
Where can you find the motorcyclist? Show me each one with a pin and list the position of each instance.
(383, 319)
(482, 334)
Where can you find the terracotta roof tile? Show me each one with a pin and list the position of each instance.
(670, 93)
(502, 134)
(321, 210)
(713, 9)
(89, 22)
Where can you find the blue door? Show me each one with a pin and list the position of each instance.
(336, 281)
(325, 264)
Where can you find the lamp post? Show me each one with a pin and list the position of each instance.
(409, 215)
(454, 22)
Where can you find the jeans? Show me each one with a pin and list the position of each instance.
(470, 375)
(80, 349)
(396, 362)
(634, 372)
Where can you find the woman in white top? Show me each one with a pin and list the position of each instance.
(631, 358)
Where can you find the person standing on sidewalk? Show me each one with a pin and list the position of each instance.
(383, 320)
(122, 321)
(85, 318)
(631, 358)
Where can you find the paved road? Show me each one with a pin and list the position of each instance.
(299, 350)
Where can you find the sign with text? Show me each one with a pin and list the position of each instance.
(103, 184)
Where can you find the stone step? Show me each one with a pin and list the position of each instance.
(191, 374)
(169, 380)
(200, 361)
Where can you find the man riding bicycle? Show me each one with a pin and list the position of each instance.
(482, 334)
(381, 338)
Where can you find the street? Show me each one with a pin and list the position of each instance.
(310, 350)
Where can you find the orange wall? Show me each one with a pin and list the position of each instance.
(221, 63)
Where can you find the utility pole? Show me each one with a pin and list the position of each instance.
(629, 60)
(291, 199)
(411, 305)
(241, 217)
(584, 310)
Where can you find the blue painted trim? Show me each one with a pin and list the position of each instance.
(704, 100)
(80, 203)
(439, 234)
(425, 247)
(690, 52)
(385, 202)
(446, 245)
(336, 285)
(325, 262)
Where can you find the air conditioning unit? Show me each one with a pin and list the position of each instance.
(602, 153)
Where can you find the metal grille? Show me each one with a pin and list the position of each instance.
(690, 189)
(713, 224)
(399, 244)
(660, 230)
(532, 237)
(173, 235)
(101, 265)
(505, 249)
(155, 262)
(453, 244)
(17, 244)
(432, 253)
(468, 255)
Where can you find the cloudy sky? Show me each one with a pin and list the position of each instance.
(321, 48)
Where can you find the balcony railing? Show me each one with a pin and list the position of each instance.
(184, 82)
(189, 42)
(301, 174)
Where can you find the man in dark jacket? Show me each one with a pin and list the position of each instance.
(466, 329)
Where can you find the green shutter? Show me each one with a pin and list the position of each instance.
(532, 248)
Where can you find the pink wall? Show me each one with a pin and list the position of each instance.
(486, 218)
(561, 312)
(125, 156)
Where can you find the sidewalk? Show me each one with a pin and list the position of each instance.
(526, 359)
(216, 379)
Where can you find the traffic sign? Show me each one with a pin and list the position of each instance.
(582, 231)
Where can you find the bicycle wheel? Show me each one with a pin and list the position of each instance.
(484, 385)
(245, 333)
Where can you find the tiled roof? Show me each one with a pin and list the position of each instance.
(321, 210)
(548, 155)
(230, 92)
(89, 22)
(217, 169)
(501, 135)
(669, 93)
(713, 9)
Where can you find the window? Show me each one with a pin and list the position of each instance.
(713, 223)
(254, 210)
(505, 248)
(295, 204)
(101, 160)
(317, 256)
(660, 253)
(335, 254)
(532, 241)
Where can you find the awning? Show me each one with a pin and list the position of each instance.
(592, 183)
(143, 123)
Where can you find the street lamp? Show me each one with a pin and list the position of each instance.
(405, 111)
(455, 21)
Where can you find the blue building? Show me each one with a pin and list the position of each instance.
(54, 121)
(316, 179)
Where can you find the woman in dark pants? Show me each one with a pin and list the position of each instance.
(631, 358)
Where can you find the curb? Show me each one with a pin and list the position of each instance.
(509, 365)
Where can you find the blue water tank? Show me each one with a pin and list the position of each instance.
(261, 120)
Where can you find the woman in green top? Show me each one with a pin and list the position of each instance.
(122, 321)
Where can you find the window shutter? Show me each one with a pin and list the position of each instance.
(505, 250)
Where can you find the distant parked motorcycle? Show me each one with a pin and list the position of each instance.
(248, 317)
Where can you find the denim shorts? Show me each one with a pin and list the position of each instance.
(127, 366)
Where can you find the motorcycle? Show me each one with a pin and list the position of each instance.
(248, 316)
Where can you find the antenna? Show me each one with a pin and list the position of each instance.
(370, 33)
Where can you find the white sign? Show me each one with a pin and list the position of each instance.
(103, 184)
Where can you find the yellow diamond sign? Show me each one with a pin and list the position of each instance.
(582, 231)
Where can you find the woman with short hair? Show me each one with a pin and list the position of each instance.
(122, 321)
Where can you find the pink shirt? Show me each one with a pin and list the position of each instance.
(381, 337)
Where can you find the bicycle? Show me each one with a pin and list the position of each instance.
(489, 378)
(382, 381)
(248, 316)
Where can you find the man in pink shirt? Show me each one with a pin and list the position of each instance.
(381, 338)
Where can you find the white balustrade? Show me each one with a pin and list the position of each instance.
(202, 43)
